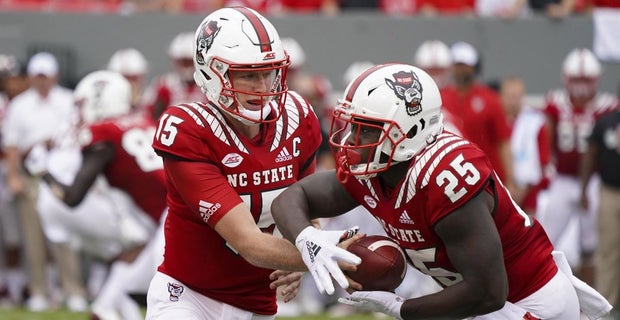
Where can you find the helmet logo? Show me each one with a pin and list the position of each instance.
(407, 87)
(209, 31)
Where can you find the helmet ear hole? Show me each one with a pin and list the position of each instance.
(412, 132)
(204, 74)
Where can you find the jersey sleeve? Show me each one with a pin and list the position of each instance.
(203, 188)
(93, 134)
(458, 177)
(178, 135)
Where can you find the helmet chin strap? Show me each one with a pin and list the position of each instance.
(253, 115)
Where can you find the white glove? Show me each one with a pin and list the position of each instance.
(376, 301)
(36, 161)
(320, 254)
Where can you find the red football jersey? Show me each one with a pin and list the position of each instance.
(480, 118)
(136, 168)
(442, 178)
(239, 169)
(572, 127)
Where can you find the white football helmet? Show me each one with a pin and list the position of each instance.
(239, 39)
(434, 57)
(581, 71)
(181, 47)
(181, 52)
(101, 95)
(433, 54)
(295, 52)
(355, 69)
(402, 101)
(128, 62)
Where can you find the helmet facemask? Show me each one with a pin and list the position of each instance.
(363, 146)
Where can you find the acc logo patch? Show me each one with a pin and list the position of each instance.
(232, 160)
(370, 201)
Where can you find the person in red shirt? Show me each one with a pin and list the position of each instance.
(477, 111)
(225, 161)
(437, 195)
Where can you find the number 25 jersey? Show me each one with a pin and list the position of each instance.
(442, 178)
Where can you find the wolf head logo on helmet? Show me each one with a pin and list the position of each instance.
(210, 30)
(407, 86)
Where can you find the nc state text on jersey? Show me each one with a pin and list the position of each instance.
(261, 177)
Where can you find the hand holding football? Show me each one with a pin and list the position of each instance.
(383, 264)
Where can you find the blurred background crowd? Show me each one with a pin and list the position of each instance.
(538, 139)
(497, 8)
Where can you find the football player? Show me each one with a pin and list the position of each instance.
(225, 161)
(132, 64)
(116, 144)
(571, 113)
(177, 86)
(437, 195)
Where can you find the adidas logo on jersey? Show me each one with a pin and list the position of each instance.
(207, 209)
(284, 155)
(404, 218)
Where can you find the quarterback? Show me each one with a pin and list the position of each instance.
(225, 161)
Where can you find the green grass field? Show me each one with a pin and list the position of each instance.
(21, 314)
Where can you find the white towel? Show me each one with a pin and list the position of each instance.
(592, 303)
(524, 146)
(606, 33)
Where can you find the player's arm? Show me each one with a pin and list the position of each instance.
(475, 250)
(319, 195)
(239, 229)
(198, 181)
(94, 160)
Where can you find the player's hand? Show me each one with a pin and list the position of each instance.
(287, 281)
(376, 301)
(36, 161)
(321, 254)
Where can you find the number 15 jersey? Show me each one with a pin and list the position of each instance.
(226, 169)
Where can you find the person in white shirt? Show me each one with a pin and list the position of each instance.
(36, 116)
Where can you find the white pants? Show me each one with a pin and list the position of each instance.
(557, 300)
(181, 302)
(563, 204)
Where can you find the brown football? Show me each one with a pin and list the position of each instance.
(383, 264)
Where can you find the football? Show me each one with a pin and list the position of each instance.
(383, 264)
